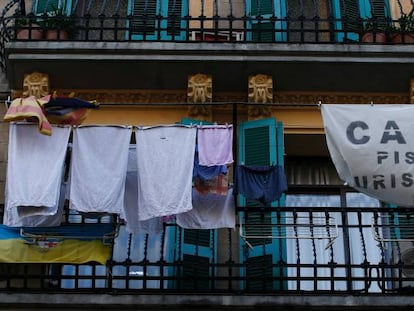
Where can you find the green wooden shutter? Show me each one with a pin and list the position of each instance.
(44, 6)
(355, 11)
(350, 11)
(261, 143)
(41, 7)
(143, 21)
(144, 24)
(262, 29)
(198, 248)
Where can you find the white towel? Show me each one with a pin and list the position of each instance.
(210, 211)
(98, 168)
(130, 211)
(35, 168)
(215, 145)
(12, 218)
(165, 160)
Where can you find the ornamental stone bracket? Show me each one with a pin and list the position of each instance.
(36, 84)
(200, 92)
(260, 93)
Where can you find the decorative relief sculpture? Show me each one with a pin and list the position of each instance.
(35, 84)
(260, 93)
(200, 91)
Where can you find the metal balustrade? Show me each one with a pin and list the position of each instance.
(235, 21)
(357, 261)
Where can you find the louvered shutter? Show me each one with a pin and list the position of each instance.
(143, 20)
(261, 29)
(199, 248)
(261, 143)
(41, 7)
(145, 24)
(351, 15)
(380, 10)
(198, 255)
(44, 6)
(355, 11)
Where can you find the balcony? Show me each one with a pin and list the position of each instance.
(363, 251)
(310, 47)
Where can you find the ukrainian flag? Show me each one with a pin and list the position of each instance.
(69, 243)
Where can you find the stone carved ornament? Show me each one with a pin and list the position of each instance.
(260, 93)
(35, 84)
(200, 91)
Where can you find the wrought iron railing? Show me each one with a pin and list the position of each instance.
(312, 250)
(263, 21)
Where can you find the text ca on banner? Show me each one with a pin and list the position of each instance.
(372, 148)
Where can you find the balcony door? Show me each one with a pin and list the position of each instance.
(156, 20)
(261, 144)
(349, 13)
(264, 20)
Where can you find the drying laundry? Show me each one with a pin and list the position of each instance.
(215, 144)
(264, 183)
(35, 169)
(129, 212)
(98, 168)
(165, 161)
(13, 218)
(68, 109)
(210, 211)
(207, 172)
(29, 109)
(217, 185)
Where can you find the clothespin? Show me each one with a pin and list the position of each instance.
(7, 102)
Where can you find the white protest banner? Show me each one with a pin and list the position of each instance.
(372, 148)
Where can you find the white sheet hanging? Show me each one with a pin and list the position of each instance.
(35, 169)
(165, 160)
(130, 210)
(210, 211)
(215, 145)
(12, 218)
(98, 168)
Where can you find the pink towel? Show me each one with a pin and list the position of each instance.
(215, 145)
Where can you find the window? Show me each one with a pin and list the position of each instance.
(264, 20)
(261, 143)
(157, 19)
(349, 14)
(44, 6)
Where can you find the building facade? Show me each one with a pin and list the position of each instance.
(263, 66)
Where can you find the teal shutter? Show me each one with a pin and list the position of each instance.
(199, 248)
(355, 11)
(44, 6)
(261, 143)
(261, 28)
(145, 24)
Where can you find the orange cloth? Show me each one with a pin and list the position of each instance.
(29, 109)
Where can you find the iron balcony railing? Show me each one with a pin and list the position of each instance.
(324, 21)
(307, 250)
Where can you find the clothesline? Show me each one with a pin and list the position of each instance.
(8, 101)
(141, 127)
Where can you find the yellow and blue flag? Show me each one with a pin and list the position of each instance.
(69, 243)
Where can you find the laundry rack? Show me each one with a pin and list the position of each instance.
(289, 227)
(105, 232)
(395, 227)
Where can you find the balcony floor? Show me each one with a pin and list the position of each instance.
(166, 65)
(204, 302)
